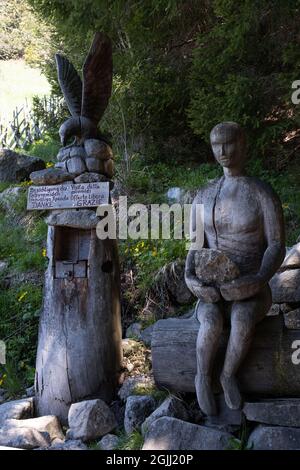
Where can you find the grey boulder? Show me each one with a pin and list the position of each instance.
(138, 408)
(279, 412)
(16, 409)
(285, 286)
(108, 442)
(23, 438)
(89, 420)
(274, 438)
(50, 176)
(43, 424)
(15, 167)
(172, 407)
(173, 434)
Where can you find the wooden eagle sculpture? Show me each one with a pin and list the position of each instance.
(87, 100)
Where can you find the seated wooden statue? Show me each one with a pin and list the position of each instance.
(242, 218)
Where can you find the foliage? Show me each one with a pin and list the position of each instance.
(19, 311)
(152, 390)
(243, 70)
(133, 441)
(21, 35)
(47, 149)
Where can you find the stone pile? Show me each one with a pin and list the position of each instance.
(88, 163)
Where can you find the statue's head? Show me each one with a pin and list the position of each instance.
(228, 144)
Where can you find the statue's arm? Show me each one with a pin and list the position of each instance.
(205, 293)
(274, 235)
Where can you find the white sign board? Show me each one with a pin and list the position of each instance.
(67, 196)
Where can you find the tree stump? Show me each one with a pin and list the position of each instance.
(79, 349)
(268, 369)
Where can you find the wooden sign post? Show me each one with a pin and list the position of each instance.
(79, 348)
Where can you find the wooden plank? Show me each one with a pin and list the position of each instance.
(267, 371)
(67, 196)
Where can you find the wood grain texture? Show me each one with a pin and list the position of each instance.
(267, 370)
(79, 349)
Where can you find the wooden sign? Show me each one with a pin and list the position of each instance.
(67, 196)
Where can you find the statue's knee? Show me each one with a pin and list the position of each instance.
(243, 323)
(210, 317)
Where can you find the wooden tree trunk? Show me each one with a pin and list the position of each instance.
(268, 369)
(79, 349)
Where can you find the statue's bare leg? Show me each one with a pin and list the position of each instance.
(244, 316)
(211, 325)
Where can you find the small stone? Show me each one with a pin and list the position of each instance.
(172, 407)
(89, 420)
(43, 424)
(16, 409)
(98, 149)
(292, 319)
(63, 154)
(292, 258)
(134, 331)
(84, 218)
(214, 267)
(274, 438)
(138, 408)
(74, 444)
(24, 438)
(146, 335)
(95, 165)
(108, 442)
(77, 151)
(75, 166)
(91, 178)
(274, 310)
(279, 412)
(50, 176)
(285, 286)
(30, 391)
(132, 383)
(173, 434)
(109, 168)
(61, 165)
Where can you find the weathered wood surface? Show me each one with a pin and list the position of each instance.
(79, 350)
(268, 369)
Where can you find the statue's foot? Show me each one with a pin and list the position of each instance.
(232, 394)
(205, 395)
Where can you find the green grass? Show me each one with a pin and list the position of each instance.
(19, 83)
(19, 312)
(46, 149)
(133, 441)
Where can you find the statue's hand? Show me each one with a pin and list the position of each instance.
(242, 287)
(207, 294)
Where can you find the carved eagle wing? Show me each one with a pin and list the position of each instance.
(97, 78)
(70, 84)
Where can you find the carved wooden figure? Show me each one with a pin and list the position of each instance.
(242, 218)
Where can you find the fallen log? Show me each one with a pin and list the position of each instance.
(268, 369)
